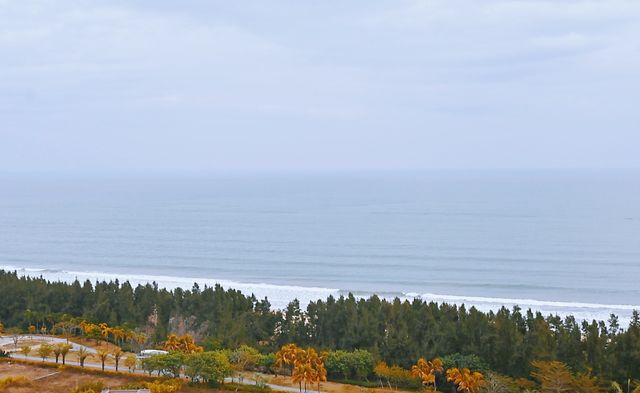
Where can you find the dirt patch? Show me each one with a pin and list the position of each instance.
(52, 380)
(63, 380)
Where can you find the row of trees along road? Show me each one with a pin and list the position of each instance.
(309, 367)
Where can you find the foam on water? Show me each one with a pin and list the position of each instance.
(280, 295)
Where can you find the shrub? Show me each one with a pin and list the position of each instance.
(267, 362)
(91, 387)
(169, 364)
(158, 386)
(397, 376)
(247, 388)
(349, 365)
(18, 381)
(457, 360)
(211, 366)
(244, 358)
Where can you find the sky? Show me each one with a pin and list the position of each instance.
(318, 85)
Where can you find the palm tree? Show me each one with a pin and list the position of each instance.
(105, 330)
(426, 370)
(103, 355)
(64, 351)
(117, 354)
(83, 353)
(465, 380)
(618, 389)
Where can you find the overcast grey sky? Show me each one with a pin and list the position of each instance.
(295, 85)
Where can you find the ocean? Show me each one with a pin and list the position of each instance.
(561, 242)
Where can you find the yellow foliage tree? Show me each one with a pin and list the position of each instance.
(185, 344)
(131, 362)
(307, 365)
(25, 350)
(287, 355)
(105, 330)
(553, 376)
(465, 379)
(83, 353)
(586, 383)
(64, 351)
(103, 355)
(426, 370)
(117, 355)
(45, 351)
(118, 334)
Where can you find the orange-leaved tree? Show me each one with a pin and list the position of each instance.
(103, 355)
(586, 383)
(553, 376)
(117, 355)
(104, 330)
(466, 380)
(307, 366)
(185, 344)
(426, 370)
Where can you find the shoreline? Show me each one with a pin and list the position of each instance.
(279, 296)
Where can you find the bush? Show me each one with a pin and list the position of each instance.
(356, 382)
(349, 365)
(169, 364)
(244, 358)
(210, 367)
(236, 387)
(266, 363)
(19, 381)
(91, 387)
(157, 386)
(397, 376)
(457, 360)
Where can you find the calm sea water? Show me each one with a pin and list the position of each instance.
(561, 242)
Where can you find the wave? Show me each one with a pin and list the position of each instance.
(280, 295)
(520, 302)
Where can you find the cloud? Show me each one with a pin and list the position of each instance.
(409, 83)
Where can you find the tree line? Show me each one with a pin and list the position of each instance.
(395, 332)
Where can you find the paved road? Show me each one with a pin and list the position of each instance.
(8, 340)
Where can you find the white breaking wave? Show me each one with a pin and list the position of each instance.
(581, 311)
(280, 295)
(520, 302)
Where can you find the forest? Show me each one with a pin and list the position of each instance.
(390, 332)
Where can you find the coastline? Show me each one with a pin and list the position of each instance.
(280, 295)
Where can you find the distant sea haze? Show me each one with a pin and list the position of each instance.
(562, 242)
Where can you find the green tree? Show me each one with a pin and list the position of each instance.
(208, 366)
(25, 350)
(44, 351)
